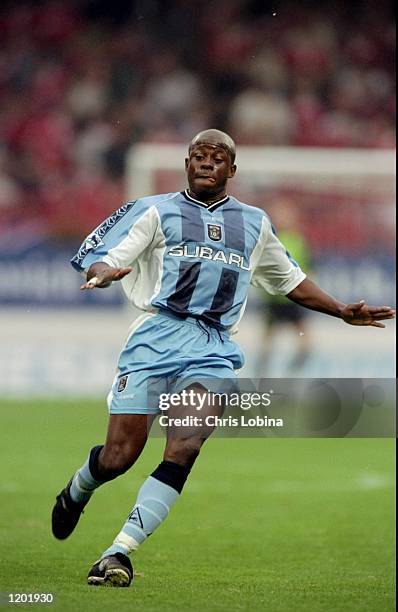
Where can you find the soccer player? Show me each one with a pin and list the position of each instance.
(186, 260)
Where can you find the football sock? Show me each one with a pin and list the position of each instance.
(155, 499)
(86, 479)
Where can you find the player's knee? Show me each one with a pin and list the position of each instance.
(183, 451)
(117, 459)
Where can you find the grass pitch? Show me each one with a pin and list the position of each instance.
(263, 524)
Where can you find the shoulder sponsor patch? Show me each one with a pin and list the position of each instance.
(214, 232)
(92, 242)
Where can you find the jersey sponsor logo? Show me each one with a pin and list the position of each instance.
(205, 252)
(214, 232)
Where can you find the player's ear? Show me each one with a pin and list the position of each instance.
(232, 170)
(186, 163)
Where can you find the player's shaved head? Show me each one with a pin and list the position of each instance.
(215, 138)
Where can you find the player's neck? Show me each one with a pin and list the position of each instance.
(207, 198)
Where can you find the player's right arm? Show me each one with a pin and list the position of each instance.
(107, 254)
(101, 275)
(308, 294)
(278, 273)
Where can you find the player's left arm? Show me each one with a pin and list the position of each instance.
(308, 294)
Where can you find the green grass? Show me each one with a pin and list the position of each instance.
(263, 524)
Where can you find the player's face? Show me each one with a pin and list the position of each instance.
(208, 169)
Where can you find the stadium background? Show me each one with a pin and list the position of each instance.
(83, 82)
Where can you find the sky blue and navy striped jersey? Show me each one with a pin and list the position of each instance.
(192, 258)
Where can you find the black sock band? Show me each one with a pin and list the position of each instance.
(171, 474)
(93, 463)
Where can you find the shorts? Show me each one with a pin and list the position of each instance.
(165, 354)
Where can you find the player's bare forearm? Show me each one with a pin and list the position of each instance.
(102, 275)
(311, 296)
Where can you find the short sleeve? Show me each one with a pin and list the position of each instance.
(120, 239)
(273, 268)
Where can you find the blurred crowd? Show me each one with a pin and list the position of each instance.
(81, 81)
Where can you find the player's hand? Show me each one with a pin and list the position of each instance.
(362, 314)
(105, 277)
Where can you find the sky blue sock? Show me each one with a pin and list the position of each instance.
(83, 483)
(152, 507)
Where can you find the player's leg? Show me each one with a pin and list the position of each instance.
(215, 358)
(126, 437)
(162, 488)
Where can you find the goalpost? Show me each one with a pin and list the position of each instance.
(345, 200)
(351, 169)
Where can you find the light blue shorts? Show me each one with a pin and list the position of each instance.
(166, 354)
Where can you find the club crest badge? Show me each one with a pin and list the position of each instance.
(122, 384)
(214, 232)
